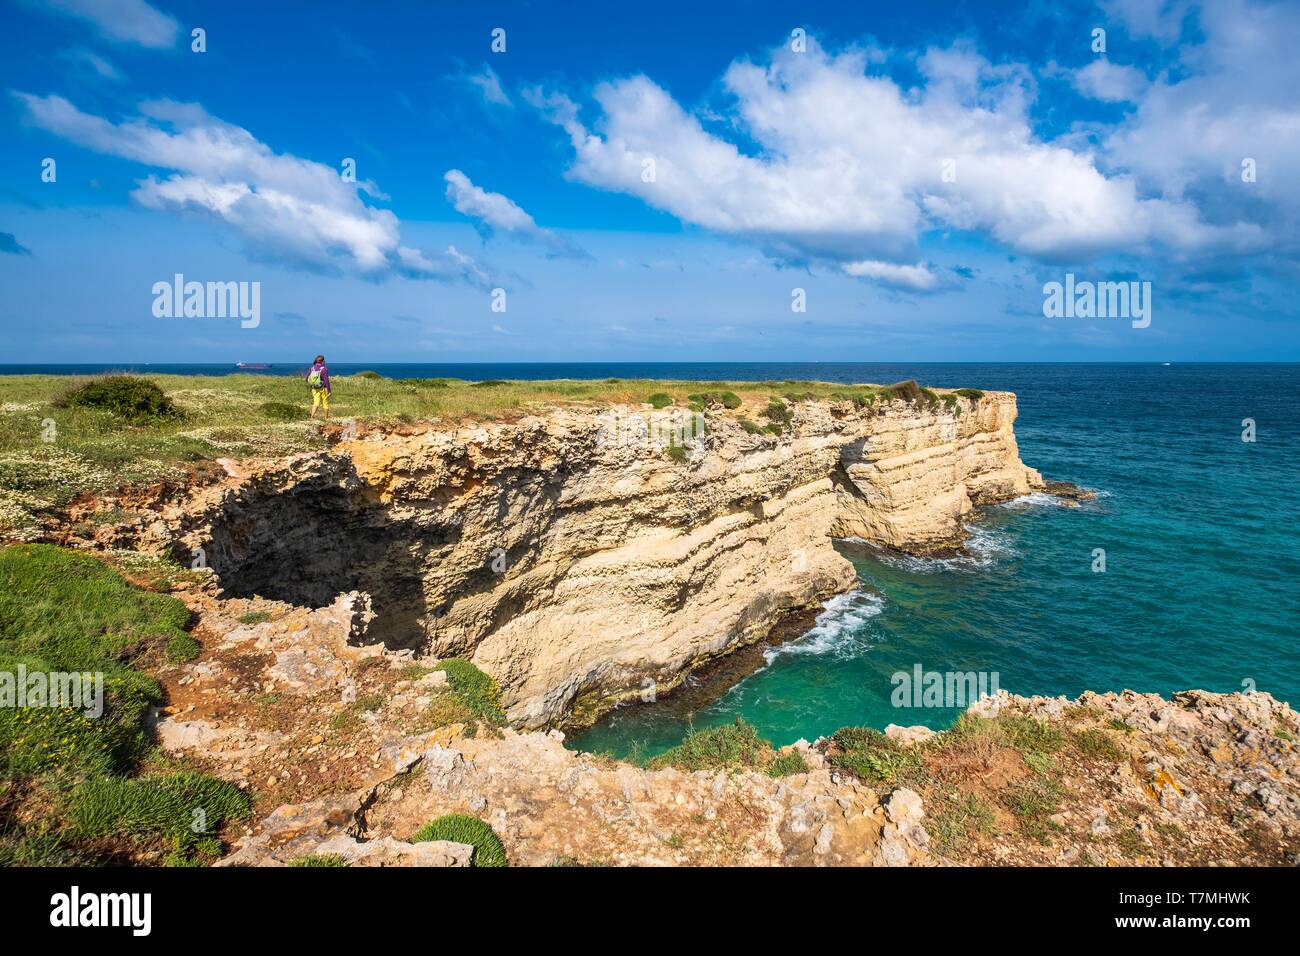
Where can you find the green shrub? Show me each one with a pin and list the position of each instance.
(872, 756)
(368, 374)
(459, 828)
(489, 383)
(974, 394)
(282, 411)
(473, 689)
(660, 400)
(906, 391)
(778, 415)
(254, 617)
(319, 859)
(127, 396)
(727, 399)
(949, 401)
(786, 764)
(676, 453)
(751, 427)
(731, 745)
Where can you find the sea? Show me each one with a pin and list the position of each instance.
(1183, 573)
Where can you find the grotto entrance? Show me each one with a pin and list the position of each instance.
(307, 544)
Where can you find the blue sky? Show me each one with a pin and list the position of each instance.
(649, 182)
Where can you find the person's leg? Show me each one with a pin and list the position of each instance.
(316, 394)
(325, 403)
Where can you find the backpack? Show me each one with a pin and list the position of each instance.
(314, 378)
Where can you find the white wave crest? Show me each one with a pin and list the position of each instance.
(837, 629)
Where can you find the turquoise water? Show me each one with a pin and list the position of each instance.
(1202, 580)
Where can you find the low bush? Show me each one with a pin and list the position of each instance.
(872, 756)
(459, 828)
(727, 399)
(319, 859)
(786, 764)
(778, 414)
(676, 454)
(489, 383)
(731, 745)
(906, 391)
(368, 374)
(473, 689)
(660, 400)
(974, 394)
(127, 396)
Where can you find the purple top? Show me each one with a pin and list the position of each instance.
(324, 374)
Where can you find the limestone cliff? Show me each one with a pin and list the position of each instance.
(577, 559)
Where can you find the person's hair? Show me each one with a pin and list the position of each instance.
(320, 359)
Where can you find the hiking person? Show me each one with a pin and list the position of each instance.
(319, 380)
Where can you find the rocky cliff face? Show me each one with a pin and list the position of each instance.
(577, 559)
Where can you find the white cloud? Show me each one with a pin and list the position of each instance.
(1110, 82)
(1234, 100)
(285, 208)
(918, 278)
(489, 85)
(123, 21)
(848, 168)
(93, 62)
(493, 212)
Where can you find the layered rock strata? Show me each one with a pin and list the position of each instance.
(579, 558)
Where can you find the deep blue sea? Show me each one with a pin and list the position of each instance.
(1199, 528)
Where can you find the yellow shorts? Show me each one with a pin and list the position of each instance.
(320, 397)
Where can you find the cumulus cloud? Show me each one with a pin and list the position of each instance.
(285, 208)
(1229, 109)
(494, 213)
(1110, 82)
(843, 166)
(122, 21)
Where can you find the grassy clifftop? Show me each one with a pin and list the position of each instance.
(61, 437)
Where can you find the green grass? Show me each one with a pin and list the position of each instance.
(478, 693)
(955, 818)
(254, 617)
(69, 612)
(62, 611)
(660, 400)
(1096, 743)
(319, 859)
(1024, 734)
(186, 808)
(731, 745)
(459, 828)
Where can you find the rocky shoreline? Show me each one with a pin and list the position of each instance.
(1112, 778)
(578, 572)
